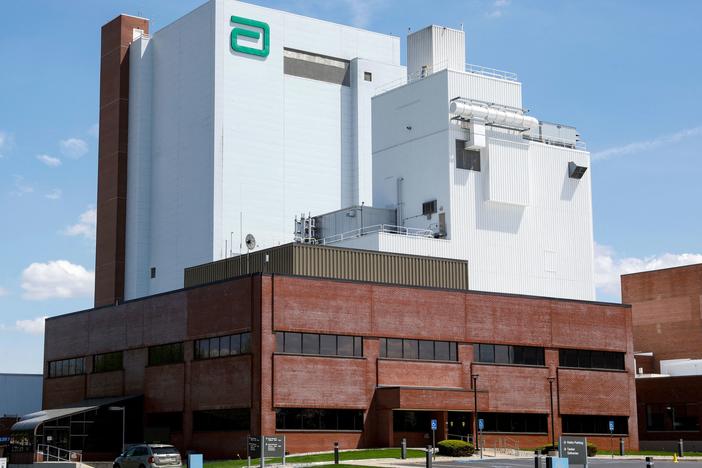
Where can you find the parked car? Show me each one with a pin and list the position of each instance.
(148, 456)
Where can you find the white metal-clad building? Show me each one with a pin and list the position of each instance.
(240, 118)
(472, 176)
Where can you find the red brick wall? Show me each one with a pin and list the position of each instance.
(665, 391)
(667, 311)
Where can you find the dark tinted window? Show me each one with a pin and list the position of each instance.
(165, 451)
(672, 417)
(587, 359)
(578, 424)
(319, 419)
(400, 348)
(166, 354)
(67, 367)
(173, 421)
(515, 422)
(107, 362)
(325, 345)
(411, 421)
(222, 420)
(507, 354)
(467, 159)
(222, 346)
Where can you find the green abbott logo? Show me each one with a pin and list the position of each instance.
(236, 32)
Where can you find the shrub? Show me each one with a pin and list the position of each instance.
(455, 448)
(591, 449)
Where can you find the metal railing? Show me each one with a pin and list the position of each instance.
(53, 453)
(387, 228)
(429, 70)
(555, 141)
(507, 445)
(464, 438)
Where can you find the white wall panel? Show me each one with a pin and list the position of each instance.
(507, 169)
(485, 88)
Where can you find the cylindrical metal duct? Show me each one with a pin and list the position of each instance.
(493, 115)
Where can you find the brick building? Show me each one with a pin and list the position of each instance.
(361, 363)
(667, 321)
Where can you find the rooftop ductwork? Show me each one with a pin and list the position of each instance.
(493, 115)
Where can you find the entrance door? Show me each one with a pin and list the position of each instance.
(460, 425)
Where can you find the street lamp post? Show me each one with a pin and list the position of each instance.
(553, 432)
(475, 411)
(122, 409)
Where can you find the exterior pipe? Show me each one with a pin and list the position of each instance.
(493, 115)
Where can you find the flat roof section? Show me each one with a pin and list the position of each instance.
(336, 263)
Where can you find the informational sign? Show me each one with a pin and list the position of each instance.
(254, 446)
(3, 462)
(194, 460)
(481, 424)
(611, 426)
(574, 449)
(274, 446)
(434, 424)
(557, 462)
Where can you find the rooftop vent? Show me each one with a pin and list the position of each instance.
(575, 171)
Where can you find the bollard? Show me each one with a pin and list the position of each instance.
(536, 459)
(621, 446)
(549, 462)
(680, 448)
(403, 449)
(429, 456)
(336, 453)
(649, 462)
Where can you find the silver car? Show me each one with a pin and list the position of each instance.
(149, 456)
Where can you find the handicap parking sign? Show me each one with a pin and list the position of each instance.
(611, 425)
(434, 425)
(481, 424)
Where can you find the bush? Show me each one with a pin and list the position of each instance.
(455, 448)
(591, 449)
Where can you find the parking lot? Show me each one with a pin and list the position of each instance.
(593, 462)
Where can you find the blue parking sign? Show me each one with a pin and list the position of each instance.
(611, 425)
(481, 424)
(434, 424)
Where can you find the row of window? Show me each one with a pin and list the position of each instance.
(66, 367)
(587, 359)
(672, 417)
(223, 346)
(400, 348)
(314, 419)
(420, 421)
(505, 354)
(237, 419)
(313, 343)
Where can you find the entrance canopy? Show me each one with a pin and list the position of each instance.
(30, 422)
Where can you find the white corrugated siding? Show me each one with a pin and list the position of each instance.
(485, 88)
(508, 171)
(449, 48)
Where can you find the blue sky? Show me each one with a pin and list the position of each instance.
(625, 73)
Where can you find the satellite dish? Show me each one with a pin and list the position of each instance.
(250, 241)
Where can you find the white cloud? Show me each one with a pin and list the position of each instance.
(33, 326)
(54, 194)
(49, 160)
(609, 267)
(73, 147)
(6, 141)
(4, 291)
(85, 226)
(641, 146)
(56, 279)
(497, 8)
(21, 186)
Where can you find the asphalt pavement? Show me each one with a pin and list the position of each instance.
(592, 462)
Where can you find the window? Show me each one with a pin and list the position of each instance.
(508, 354)
(515, 422)
(107, 362)
(429, 207)
(223, 346)
(319, 345)
(153, 272)
(467, 159)
(173, 421)
(586, 359)
(399, 348)
(579, 424)
(238, 419)
(166, 354)
(67, 367)
(672, 417)
(313, 419)
(411, 421)
(368, 76)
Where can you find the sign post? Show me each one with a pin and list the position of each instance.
(481, 426)
(266, 446)
(434, 426)
(611, 436)
(574, 449)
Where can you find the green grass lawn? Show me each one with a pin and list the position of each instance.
(322, 457)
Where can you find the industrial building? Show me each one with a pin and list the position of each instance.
(667, 320)
(322, 360)
(288, 115)
(19, 394)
